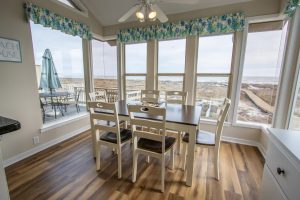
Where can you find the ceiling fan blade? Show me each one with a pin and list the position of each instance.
(180, 1)
(160, 14)
(129, 13)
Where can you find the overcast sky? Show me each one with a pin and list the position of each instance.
(214, 54)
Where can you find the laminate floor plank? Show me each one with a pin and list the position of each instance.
(68, 171)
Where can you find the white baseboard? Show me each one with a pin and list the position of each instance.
(44, 146)
(245, 142)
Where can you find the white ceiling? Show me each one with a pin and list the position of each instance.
(109, 11)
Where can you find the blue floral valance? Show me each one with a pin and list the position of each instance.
(291, 7)
(47, 18)
(227, 23)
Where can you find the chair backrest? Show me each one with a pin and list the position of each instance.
(177, 97)
(112, 95)
(221, 119)
(110, 114)
(98, 96)
(150, 96)
(157, 122)
(77, 94)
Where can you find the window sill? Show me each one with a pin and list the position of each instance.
(251, 125)
(239, 124)
(52, 125)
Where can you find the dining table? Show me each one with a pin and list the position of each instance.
(181, 118)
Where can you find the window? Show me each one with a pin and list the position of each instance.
(262, 67)
(171, 65)
(105, 64)
(68, 60)
(135, 69)
(213, 72)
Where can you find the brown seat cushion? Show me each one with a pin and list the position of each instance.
(156, 146)
(203, 137)
(112, 137)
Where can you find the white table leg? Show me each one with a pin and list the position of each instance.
(190, 157)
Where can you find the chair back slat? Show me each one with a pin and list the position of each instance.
(177, 97)
(106, 127)
(149, 135)
(147, 123)
(150, 96)
(103, 116)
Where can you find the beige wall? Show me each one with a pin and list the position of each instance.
(18, 83)
(251, 8)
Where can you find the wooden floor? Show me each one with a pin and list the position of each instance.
(67, 171)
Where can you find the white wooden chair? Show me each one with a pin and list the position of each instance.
(150, 96)
(112, 95)
(210, 139)
(151, 144)
(108, 134)
(98, 96)
(176, 97)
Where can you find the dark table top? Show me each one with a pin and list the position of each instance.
(54, 94)
(8, 125)
(175, 113)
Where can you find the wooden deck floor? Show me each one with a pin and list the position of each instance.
(67, 171)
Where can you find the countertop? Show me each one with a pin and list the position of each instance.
(290, 140)
(8, 125)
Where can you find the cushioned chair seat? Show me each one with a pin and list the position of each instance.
(156, 146)
(112, 137)
(203, 137)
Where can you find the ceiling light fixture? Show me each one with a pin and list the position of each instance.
(152, 15)
(140, 14)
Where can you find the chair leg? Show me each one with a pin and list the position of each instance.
(134, 167)
(216, 163)
(98, 154)
(184, 154)
(163, 167)
(119, 163)
(178, 143)
(172, 157)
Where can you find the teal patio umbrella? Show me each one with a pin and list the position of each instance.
(49, 77)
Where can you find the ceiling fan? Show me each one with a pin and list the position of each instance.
(148, 9)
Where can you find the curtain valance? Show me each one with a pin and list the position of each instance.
(291, 7)
(48, 18)
(227, 23)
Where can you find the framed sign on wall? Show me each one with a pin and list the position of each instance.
(10, 50)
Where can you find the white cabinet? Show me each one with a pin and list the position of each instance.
(270, 188)
(281, 178)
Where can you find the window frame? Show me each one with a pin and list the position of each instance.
(229, 75)
(92, 62)
(237, 92)
(134, 74)
(171, 74)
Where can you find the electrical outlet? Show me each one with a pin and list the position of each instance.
(36, 140)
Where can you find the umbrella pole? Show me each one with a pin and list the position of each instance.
(52, 103)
